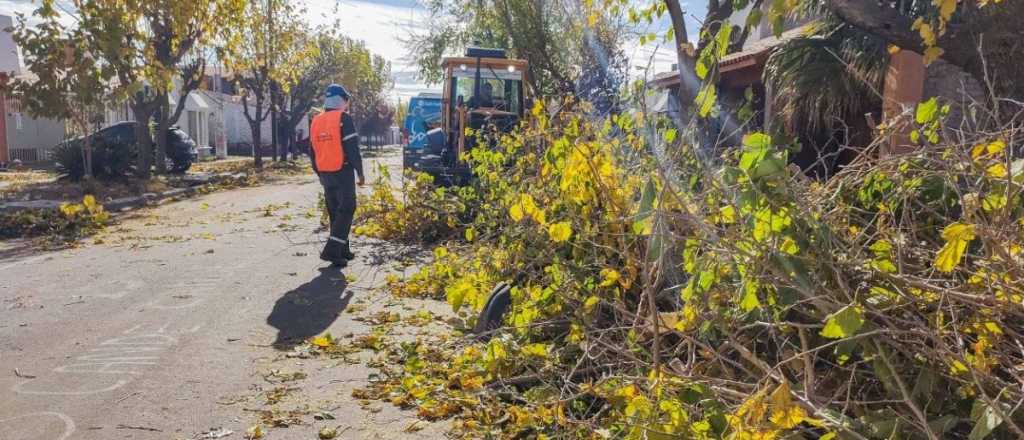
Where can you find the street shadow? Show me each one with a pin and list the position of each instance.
(18, 248)
(309, 309)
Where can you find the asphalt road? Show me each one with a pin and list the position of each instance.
(175, 323)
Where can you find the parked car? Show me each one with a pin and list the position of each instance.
(181, 149)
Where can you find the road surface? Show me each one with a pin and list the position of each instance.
(178, 323)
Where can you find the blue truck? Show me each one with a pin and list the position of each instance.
(424, 114)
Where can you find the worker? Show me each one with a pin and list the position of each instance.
(486, 98)
(334, 149)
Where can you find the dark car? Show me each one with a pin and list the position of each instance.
(181, 149)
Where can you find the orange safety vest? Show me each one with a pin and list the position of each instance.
(325, 139)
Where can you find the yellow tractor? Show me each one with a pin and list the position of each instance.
(485, 92)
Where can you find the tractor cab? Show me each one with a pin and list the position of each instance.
(484, 92)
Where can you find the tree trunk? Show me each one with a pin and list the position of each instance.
(273, 133)
(255, 123)
(143, 112)
(87, 154)
(684, 58)
(257, 150)
(163, 124)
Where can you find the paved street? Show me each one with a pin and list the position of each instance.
(176, 323)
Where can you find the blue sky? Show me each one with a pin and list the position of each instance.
(382, 24)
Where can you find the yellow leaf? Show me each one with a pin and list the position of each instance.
(609, 277)
(560, 232)
(996, 171)
(529, 206)
(322, 341)
(589, 304)
(789, 246)
(785, 414)
(894, 49)
(978, 151)
(926, 32)
(789, 417)
(536, 350)
(516, 212)
(727, 215)
(440, 252)
(255, 432)
(957, 368)
(539, 216)
(957, 236)
(70, 209)
(90, 202)
(946, 8)
(932, 53)
(844, 323)
(327, 433)
(995, 147)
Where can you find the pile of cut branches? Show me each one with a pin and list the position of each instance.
(662, 295)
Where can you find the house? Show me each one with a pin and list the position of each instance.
(22, 137)
(737, 71)
(213, 116)
(202, 118)
(907, 82)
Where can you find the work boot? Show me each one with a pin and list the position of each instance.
(346, 253)
(332, 252)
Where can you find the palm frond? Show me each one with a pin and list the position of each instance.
(820, 80)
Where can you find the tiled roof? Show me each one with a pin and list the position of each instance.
(756, 48)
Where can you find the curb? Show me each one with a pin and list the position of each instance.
(124, 203)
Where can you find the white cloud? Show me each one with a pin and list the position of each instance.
(382, 25)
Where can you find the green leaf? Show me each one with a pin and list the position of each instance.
(927, 111)
(985, 420)
(757, 140)
(749, 301)
(670, 135)
(844, 323)
(722, 40)
(706, 99)
(702, 69)
(642, 225)
(754, 18)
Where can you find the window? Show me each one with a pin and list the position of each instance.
(18, 124)
(505, 88)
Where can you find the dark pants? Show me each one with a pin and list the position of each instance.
(340, 194)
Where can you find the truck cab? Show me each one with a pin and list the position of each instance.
(423, 115)
(484, 91)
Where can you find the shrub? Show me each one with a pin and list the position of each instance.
(109, 159)
(70, 222)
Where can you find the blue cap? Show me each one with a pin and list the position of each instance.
(334, 96)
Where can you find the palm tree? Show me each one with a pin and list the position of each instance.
(823, 84)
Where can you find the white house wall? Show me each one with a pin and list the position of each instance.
(30, 139)
(10, 59)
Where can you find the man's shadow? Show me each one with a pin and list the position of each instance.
(309, 309)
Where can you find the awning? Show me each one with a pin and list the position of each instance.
(194, 102)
